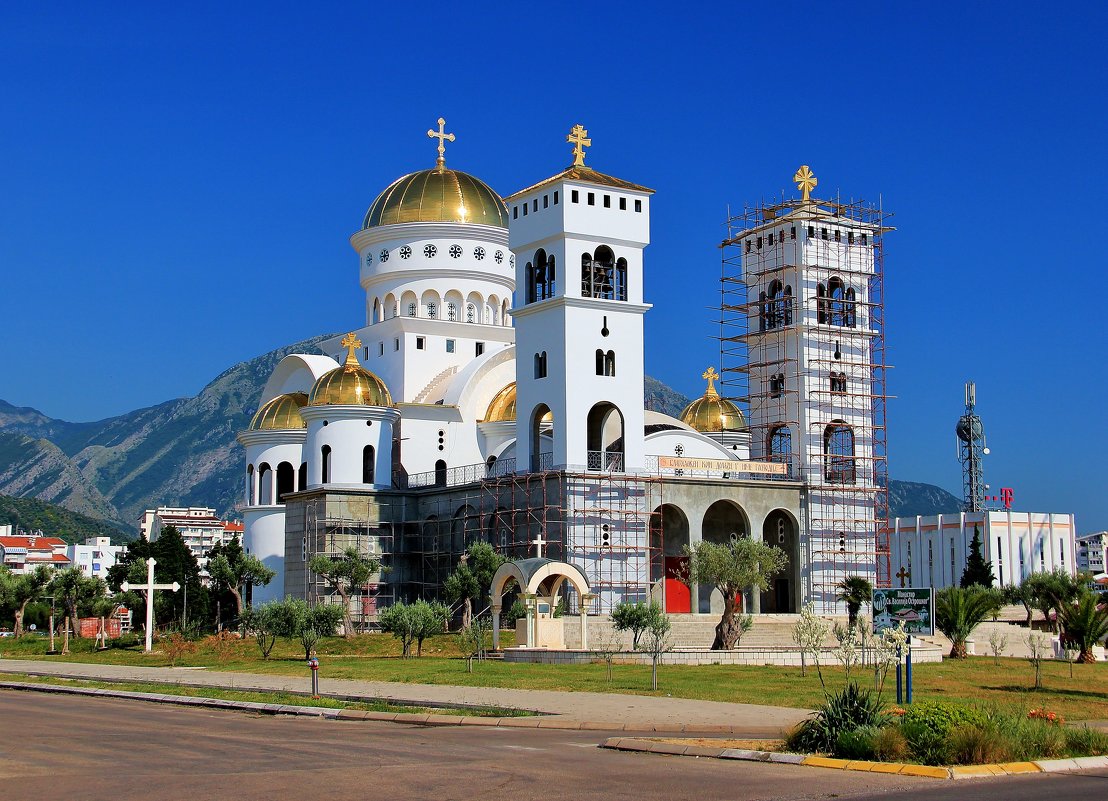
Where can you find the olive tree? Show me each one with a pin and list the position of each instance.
(345, 573)
(740, 565)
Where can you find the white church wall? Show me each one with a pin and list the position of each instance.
(692, 445)
(264, 537)
(347, 430)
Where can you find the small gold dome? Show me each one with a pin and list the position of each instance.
(503, 405)
(710, 413)
(351, 384)
(280, 414)
(437, 195)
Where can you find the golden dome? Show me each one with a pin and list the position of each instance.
(503, 405)
(710, 413)
(437, 195)
(351, 384)
(280, 414)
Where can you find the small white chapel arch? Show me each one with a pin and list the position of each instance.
(539, 581)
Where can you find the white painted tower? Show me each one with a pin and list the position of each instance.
(578, 239)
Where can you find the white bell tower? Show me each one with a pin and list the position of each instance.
(578, 240)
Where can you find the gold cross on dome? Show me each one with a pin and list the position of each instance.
(805, 181)
(443, 138)
(579, 137)
(351, 343)
(711, 375)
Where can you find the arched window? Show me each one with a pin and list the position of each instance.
(787, 307)
(586, 275)
(838, 451)
(551, 277)
(599, 362)
(251, 496)
(302, 477)
(452, 312)
(772, 306)
(265, 484)
(432, 310)
(540, 365)
(490, 463)
(821, 303)
(851, 309)
(838, 383)
(286, 480)
(325, 464)
(368, 464)
(780, 444)
(621, 279)
(411, 310)
(610, 363)
(837, 293)
(440, 473)
(777, 385)
(530, 278)
(761, 311)
(471, 313)
(605, 438)
(376, 311)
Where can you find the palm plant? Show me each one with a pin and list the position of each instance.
(854, 591)
(958, 611)
(1084, 625)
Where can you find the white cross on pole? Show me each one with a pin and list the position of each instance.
(538, 542)
(149, 588)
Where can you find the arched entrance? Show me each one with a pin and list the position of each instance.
(781, 531)
(669, 535)
(540, 582)
(723, 520)
(605, 437)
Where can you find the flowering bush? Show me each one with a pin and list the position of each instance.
(1050, 717)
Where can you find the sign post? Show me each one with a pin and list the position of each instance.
(914, 609)
(149, 588)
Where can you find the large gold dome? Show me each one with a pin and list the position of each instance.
(280, 414)
(351, 384)
(502, 408)
(712, 414)
(437, 195)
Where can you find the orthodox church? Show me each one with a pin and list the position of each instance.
(495, 393)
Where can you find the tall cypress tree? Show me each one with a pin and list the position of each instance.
(978, 571)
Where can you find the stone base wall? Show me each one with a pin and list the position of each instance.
(699, 656)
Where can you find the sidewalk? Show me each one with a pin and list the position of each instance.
(597, 710)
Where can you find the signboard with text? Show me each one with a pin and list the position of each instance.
(722, 465)
(912, 606)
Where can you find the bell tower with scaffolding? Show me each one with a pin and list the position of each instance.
(802, 349)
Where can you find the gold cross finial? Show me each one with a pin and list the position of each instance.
(712, 376)
(351, 343)
(579, 137)
(805, 181)
(443, 138)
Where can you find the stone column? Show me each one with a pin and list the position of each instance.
(496, 627)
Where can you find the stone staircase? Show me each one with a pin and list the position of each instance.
(425, 393)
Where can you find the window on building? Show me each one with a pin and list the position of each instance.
(865, 239)
(623, 204)
(792, 233)
(638, 205)
(607, 201)
(368, 464)
(524, 209)
(479, 348)
(605, 363)
(771, 237)
(931, 562)
(838, 383)
(749, 246)
(471, 313)
(758, 243)
(811, 232)
(535, 205)
(515, 212)
(420, 343)
(780, 444)
(450, 346)
(540, 365)
(452, 312)
(555, 197)
(325, 464)
(777, 385)
(546, 201)
(838, 453)
(396, 344)
(380, 348)
(837, 306)
(411, 310)
(838, 235)
(851, 316)
(1000, 560)
(573, 196)
(850, 238)
(822, 232)
(602, 276)
(592, 198)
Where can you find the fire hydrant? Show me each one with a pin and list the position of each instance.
(313, 663)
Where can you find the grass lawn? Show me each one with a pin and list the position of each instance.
(376, 657)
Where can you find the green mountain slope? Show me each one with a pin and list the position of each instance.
(32, 514)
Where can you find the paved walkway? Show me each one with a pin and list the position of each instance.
(598, 710)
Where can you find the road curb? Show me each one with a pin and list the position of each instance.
(647, 745)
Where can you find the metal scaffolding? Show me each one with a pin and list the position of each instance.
(799, 358)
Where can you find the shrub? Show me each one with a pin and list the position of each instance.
(940, 718)
(890, 745)
(849, 709)
(859, 743)
(924, 744)
(974, 744)
(1083, 741)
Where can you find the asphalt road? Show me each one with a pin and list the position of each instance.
(55, 747)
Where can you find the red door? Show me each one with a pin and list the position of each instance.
(678, 599)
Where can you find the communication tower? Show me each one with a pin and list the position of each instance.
(971, 450)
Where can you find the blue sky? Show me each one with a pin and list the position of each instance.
(179, 185)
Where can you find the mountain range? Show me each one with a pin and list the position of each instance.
(183, 452)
